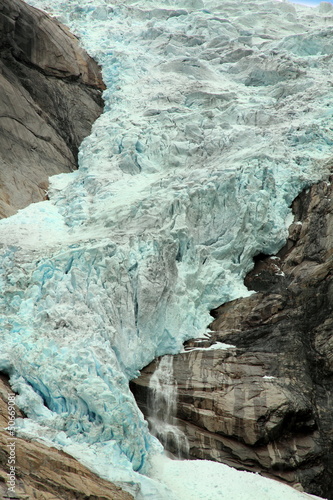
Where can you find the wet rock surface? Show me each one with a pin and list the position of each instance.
(50, 94)
(263, 404)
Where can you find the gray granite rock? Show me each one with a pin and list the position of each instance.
(50, 94)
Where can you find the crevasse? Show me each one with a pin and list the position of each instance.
(216, 116)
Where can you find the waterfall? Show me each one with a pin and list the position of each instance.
(187, 175)
(162, 409)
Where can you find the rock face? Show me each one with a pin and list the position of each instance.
(264, 405)
(46, 473)
(50, 94)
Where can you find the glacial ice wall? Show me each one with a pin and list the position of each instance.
(217, 115)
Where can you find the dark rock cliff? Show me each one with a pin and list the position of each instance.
(265, 405)
(50, 94)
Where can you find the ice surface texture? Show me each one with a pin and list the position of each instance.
(217, 115)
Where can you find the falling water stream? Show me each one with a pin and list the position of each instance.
(162, 408)
(189, 173)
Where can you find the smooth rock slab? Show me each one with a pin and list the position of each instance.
(50, 94)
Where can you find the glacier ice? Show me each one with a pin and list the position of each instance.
(216, 116)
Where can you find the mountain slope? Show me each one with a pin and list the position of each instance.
(50, 94)
(216, 117)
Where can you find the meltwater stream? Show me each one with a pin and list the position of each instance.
(216, 115)
(162, 408)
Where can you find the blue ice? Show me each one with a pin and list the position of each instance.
(187, 175)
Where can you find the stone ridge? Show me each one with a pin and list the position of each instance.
(50, 94)
(44, 473)
(265, 404)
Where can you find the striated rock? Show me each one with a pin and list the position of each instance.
(50, 94)
(46, 473)
(264, 405)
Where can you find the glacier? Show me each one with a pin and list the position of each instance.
(217, 114)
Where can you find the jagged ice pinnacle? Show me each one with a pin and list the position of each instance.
(216, 116)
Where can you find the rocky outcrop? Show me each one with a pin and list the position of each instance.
(44, 473)
(50, 94)
(263, 402)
